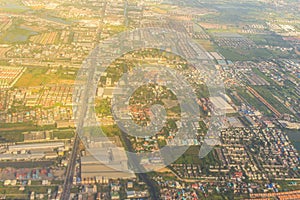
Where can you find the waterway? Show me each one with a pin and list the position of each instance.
(153, 190)
(58, 20)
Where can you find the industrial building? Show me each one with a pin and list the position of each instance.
(36, 146)
(104, 163)
(221, 105)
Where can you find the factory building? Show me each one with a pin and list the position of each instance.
(36, 146)
(104, 163)
(221, 105)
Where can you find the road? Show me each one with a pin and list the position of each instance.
(70, 170)
(83, 112)
(83, 105)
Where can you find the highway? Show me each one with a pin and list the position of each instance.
(83, 112)
(70, 170)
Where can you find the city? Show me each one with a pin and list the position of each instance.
(149, 99)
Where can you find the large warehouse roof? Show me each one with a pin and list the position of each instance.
(49, 145)
(221, 105)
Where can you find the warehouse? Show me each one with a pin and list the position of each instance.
(113, 165)
(36, 146)
(220, 105)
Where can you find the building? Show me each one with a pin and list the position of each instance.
(36, 146)
(221, 105)
(105, 161)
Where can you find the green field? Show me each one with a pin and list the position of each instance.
(13, 136)
(207, 45)
(68, 134)
(38, 76)
(253, 101)
(191, 156)
(271, 40)
(239, 54)
(33, 77)
(268, 93)
(262, 75)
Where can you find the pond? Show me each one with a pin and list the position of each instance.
(18, 35)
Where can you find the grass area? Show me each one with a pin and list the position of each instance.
(103, 107)
(191, 156)
(257, 54)
(116, 29)
(270, 39)
(103, 131)
(33, 77)
(262, 75)
(267, 93)
(230, 54)
(14, 125)
(202, 127)
(161, 8)
(26, 164)
(233, 12)
(11, 137)
(13, 193)
(253, 101)
(207, 45)
(202, 91)
(227, 29)
(230, 93)
(245, 54)
(66, 73)
(37, 76)
(24, 127)
(111, 131)
(39, 189)
(282, 92)
(61, 135)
